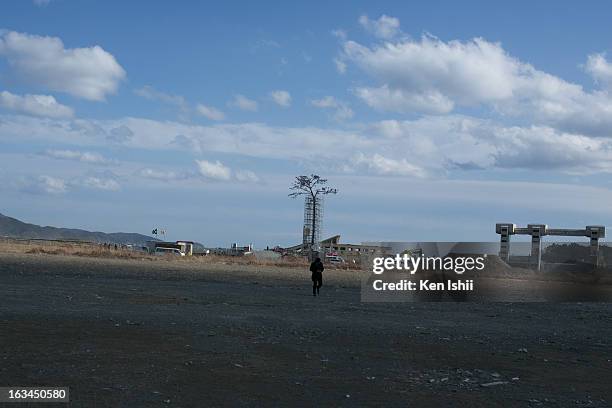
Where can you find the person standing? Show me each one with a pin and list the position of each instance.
(317, 275)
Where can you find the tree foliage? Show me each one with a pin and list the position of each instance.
(312, 185)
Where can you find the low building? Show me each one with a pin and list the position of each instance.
(234, 250)
(351, 252)
(186, 247)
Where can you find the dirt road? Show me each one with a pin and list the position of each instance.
(135, 333)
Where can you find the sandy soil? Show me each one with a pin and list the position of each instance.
(134, 333)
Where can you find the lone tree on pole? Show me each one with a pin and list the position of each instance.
(313, 187)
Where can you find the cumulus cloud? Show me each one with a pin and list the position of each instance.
(395, 100)
(210, 112)
(244, 103)
(90, 73)
(384, 27)
(85, 157)
(219, 172)
(120, 134)
(214, 170)
(281, 98)
(387, 166)
(600, 69)
(342, 110)
(545, 148)
(51, 185)
(441, 144)
(38, 105)
(464, 72)
(432, 76)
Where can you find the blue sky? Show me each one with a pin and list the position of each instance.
(434, 120)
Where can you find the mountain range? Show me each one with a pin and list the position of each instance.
(14, 228)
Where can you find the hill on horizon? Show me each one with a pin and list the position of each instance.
(14, 228)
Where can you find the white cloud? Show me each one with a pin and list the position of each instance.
(220, 172)
(89, 73)
(545, 148)
(120, 134)
(386, 166)
(281, 98)
(342, 110)
(600, 69)
(85, 157)
(51, 185)
(210, 112)
(440, 144)
(244, 103)
(38, 105)
(214, 171)
(467, 73)
(340, 65)
(436, 144)
(385, 27)
(97, 183)
(433, 76)
(59, 185)
(395, 100)
(162, 175)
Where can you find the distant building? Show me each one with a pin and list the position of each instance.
(349, 252)
(234, 250)
(186, 247)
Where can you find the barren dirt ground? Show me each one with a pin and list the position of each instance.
(132, 333)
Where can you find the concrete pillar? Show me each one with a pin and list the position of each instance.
(595, 232)
(594, 253)
(536, 254)
(537, 232)
(504, 245)
(504, 230)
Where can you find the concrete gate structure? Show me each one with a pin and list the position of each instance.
(537, 231)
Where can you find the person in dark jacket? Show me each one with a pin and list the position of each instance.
(317, 275)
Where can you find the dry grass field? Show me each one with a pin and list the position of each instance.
(100, 251)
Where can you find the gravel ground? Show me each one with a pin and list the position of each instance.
(134, 333)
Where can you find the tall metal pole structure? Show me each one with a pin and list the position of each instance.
(313, 188)
(313, 215)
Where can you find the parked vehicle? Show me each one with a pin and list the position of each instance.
(334, 259)
(159, 251)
